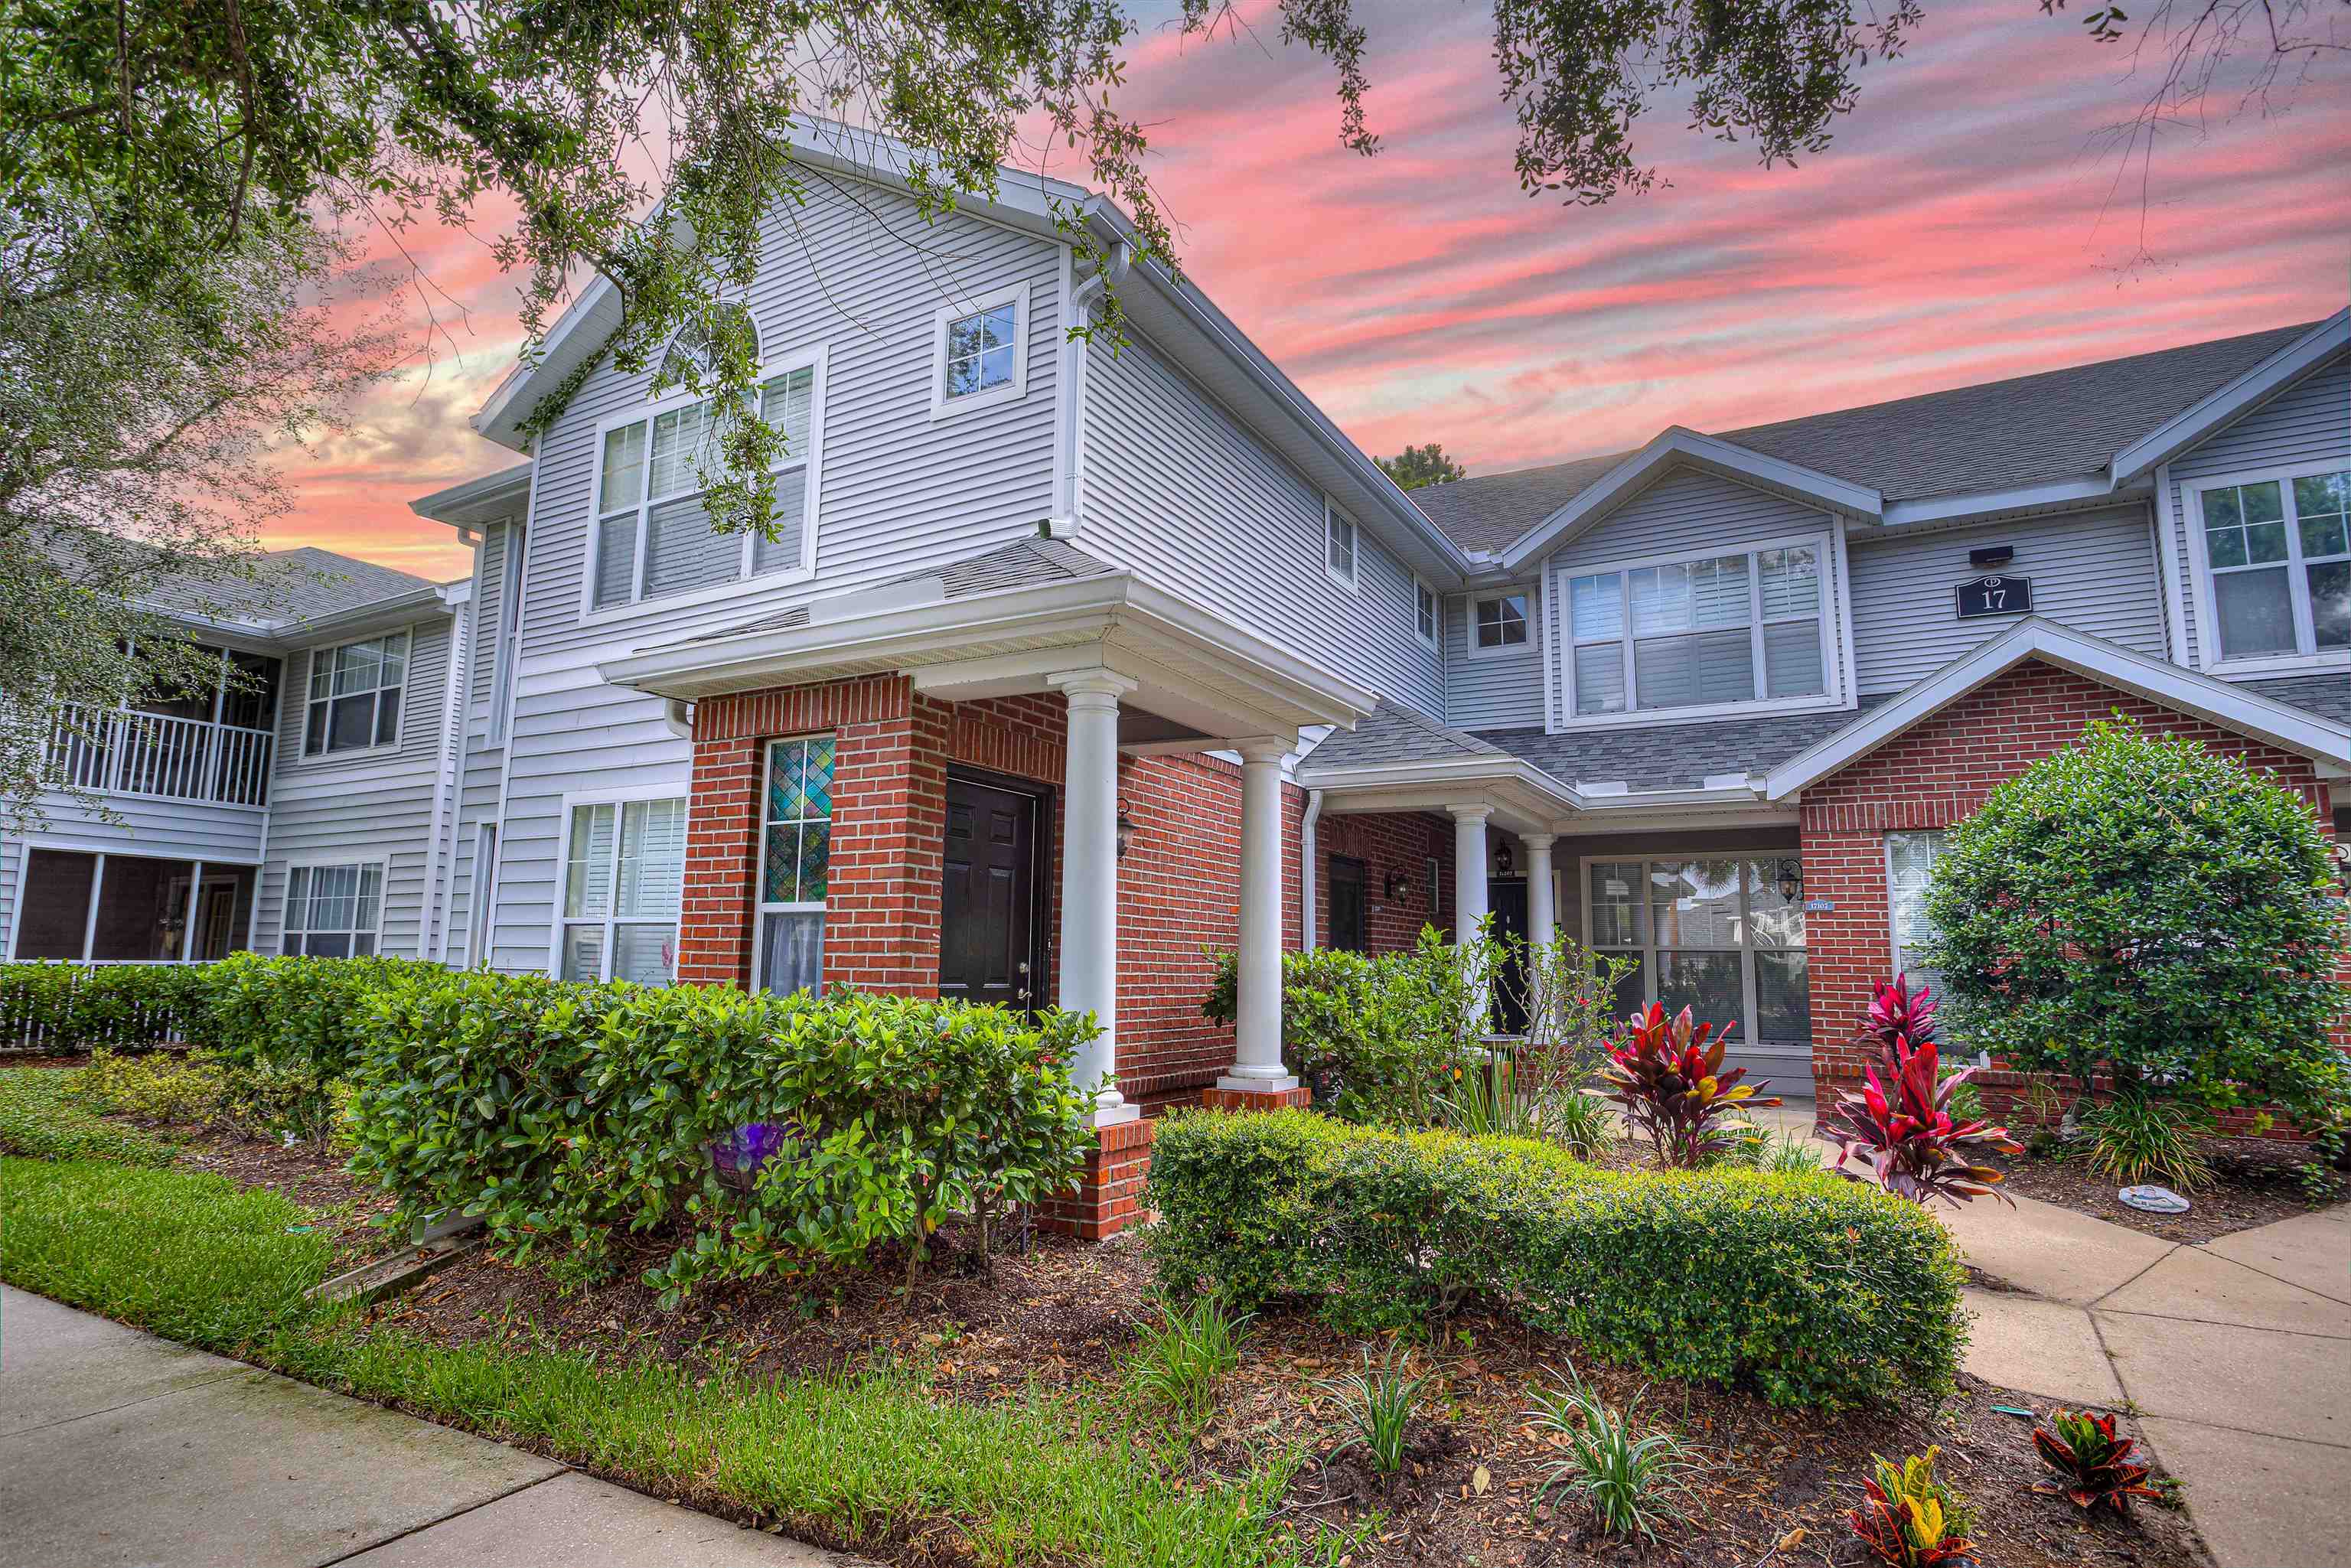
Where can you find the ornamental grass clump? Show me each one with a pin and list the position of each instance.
(2094, 1466)
(1914, 1147)
(1633, 1481)
(2135, 1137)
(1668, 1076)
(1377, 1401)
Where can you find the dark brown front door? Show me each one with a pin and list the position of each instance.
(988, 930)
(1348, 932)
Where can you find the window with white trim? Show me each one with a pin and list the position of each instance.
(1910, 867)
(334, 911)
(2279, 555)
(1722, 935)
(795, 863)
(1338, 546)
(1427, 614)
(355, 695)
(1713, 632)
(654, 535)
(624, 882)
(1498, 624)
(976, 357)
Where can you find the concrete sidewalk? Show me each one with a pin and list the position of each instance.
(121, 1450)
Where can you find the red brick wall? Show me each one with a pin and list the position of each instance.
(1179, 883)
(1934, 776)
(1387, 841)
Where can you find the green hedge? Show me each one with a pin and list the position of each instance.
(1809, 1288)
(574, 1115)
(68, 1008)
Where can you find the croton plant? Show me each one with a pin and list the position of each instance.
(1668, 1074)
(1913, 1146)
(2094, 1468)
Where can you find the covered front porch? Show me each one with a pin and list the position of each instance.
(1029, 779)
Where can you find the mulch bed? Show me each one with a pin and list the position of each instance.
(2257, 1182)
(1059, 1312)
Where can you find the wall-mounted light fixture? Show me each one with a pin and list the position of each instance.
(1125, 828)
(1503, 859)
(1991, 555)
(1396, 886)
(1791, 880)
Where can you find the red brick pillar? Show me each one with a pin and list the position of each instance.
(1109, 1194)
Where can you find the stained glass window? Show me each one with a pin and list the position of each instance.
(795, 863)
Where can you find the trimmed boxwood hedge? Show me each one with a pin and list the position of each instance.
(1809, 1288)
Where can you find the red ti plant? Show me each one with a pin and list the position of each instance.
(2094, 1466)
(1914, 1147)
(1674, 1088)
(1897, 1012)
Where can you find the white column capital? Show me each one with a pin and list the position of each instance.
(1470, 813)
(1536, 842)
(1264, 748)
(1097, 683)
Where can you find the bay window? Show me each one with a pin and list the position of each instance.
(654, 539)
(1709, 632)
(2277, 554)
(795, 865)
(1722, 935)
(624, 880)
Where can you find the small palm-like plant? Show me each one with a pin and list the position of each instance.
(1634, 1483)
(1909, 1518)
(1898, 1012)
(1377, 1401)
(1489, 1101)
(2094, 1466)
(1668, 1074)
(1185, 1352)
(1913, 1146)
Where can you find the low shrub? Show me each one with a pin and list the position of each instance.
(2135, 1137)
(67, 1007)
(568, 1116)
(41, 1117)
(1809, 1288)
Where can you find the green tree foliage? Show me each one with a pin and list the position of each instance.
(1418, 465)
(2139, 907)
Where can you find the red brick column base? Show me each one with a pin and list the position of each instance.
(1109, 1194)
(1296, 1099)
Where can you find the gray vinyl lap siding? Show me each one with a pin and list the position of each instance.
(1692, 512)
(1500, 690)
(2309, 422)
(2096, 572)
(1176, 489)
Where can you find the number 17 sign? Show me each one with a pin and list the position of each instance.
(1995, 596)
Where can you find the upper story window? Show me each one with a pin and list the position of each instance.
(355, 695)
(653, 539)
(976, 360)
(1501, 623)
(1338, 547)
(1713, 632)
(2279, 555)
(1424, 612)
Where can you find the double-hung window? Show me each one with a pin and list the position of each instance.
(624, 880)
(1427, 616)
(1338, 546)
(653, 536)
(355, 695)
(2279, 555)
(1710, 633)
(1500, 624)
(1723, 936)
(334, 911)
(795, 863)
(1910, 867)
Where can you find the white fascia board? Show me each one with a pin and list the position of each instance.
(477, 501)
(1490, 768)
(2255, 386)
(2222, 701)
(1604, 494)
(1988, 503)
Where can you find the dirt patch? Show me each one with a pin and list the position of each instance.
(2257, 1182)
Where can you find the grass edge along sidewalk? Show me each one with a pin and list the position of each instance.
(863, 1462)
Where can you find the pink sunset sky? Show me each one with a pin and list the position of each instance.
(1968, 223)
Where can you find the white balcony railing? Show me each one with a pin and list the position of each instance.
(170, 758)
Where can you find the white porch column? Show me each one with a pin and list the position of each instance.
(1089, 881)
(1470, 872)
(1543, 909)
(1257, 1055)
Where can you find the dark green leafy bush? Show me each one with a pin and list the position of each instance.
(572, 1116)
(67, 1007)
(2139, 908)
(1810, 1289)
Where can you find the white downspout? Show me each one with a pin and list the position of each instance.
(1306, 922)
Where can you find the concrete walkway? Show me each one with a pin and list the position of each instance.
(2234, 1356)
(121, 1450)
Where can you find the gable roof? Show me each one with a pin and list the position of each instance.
(291, 586)
(2053, 426)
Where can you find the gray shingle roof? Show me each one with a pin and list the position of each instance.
(288, 585)
(2328, 696)
(1394, 733)
(1675, 756)
(2058, 424)
(1024, 563)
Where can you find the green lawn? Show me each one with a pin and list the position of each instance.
(863, 1461)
